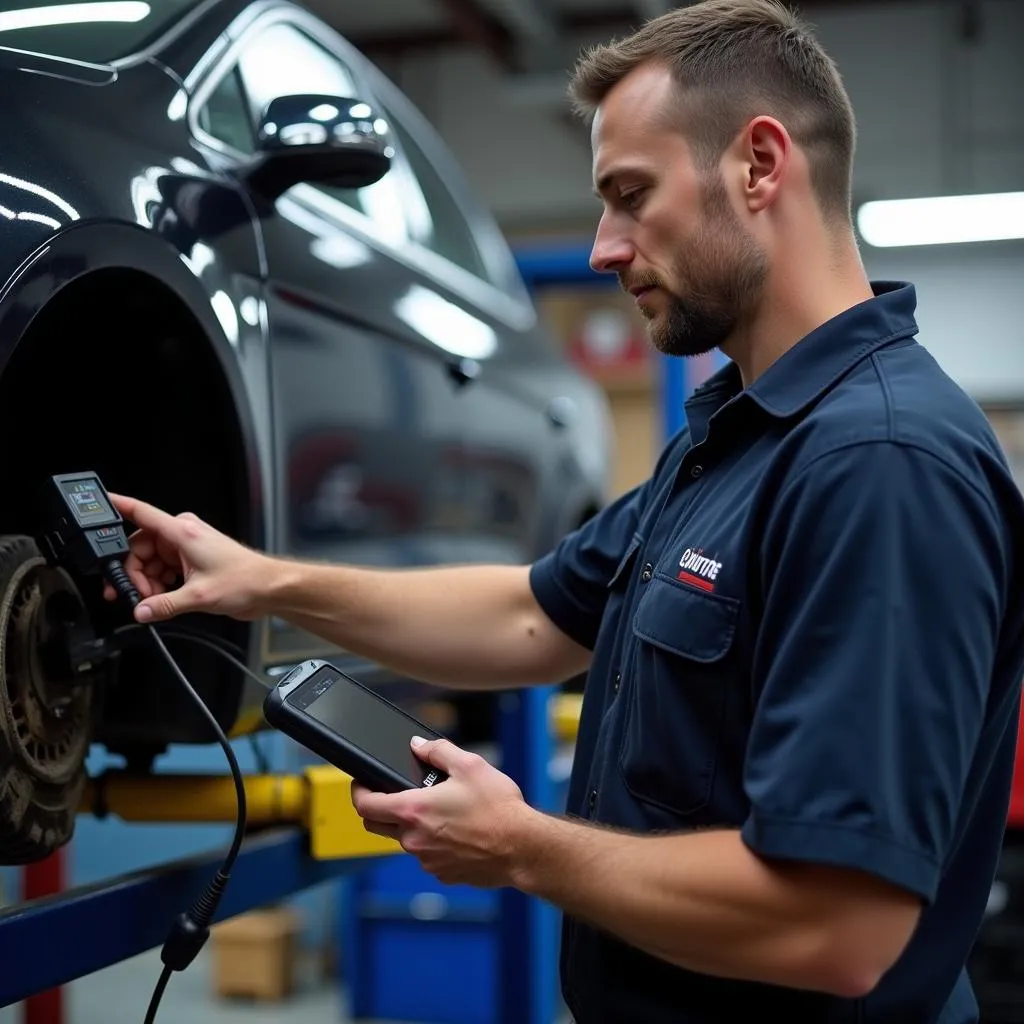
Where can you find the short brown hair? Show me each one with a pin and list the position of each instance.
(733, 60)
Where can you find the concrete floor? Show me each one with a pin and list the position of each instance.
(121, 994)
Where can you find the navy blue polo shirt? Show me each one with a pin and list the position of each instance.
(807, 625)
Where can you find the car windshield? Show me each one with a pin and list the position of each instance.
(90, 30)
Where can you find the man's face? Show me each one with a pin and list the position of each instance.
(669, 233)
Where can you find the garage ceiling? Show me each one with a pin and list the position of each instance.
(514, 32)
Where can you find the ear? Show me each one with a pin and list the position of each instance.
(767, 149)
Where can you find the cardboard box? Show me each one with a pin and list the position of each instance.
(254, 954)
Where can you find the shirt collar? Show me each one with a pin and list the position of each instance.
(819, 359)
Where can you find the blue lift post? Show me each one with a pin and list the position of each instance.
(528, 942)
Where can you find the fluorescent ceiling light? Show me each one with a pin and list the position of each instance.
(73, 14)
(943, 220)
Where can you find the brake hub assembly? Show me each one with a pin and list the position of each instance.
(46, 706)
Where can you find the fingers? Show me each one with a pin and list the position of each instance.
(147, 517)
(163, 605)
(377, 808)
(143, 545)
(379, 828)
(441, 754)
(150, 575)
(154, 563)
(379, 812)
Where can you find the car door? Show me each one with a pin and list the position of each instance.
(508, 453)
(366, 429)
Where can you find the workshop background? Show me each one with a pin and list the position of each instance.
(937, 89)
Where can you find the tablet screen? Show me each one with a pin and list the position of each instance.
(357, 715)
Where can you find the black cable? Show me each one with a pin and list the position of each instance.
(191, 929)
(229, 753)
(205, 641)
(154, 1002)
(262, 762)
(217, 645)
(220, 641)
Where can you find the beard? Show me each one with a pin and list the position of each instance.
(724, 271)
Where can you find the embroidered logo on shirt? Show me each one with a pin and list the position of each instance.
(696, 568)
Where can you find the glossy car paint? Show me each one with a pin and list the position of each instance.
(395, 409)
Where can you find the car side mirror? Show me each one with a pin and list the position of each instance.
(311, 138)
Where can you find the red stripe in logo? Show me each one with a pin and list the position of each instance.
(697, 581)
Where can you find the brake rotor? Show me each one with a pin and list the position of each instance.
(45, 709)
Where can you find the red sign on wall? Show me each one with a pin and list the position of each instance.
(606, 340)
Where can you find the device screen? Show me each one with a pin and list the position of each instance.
(87, 501)
(363, 720)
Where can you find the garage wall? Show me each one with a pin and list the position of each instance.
(970, 311)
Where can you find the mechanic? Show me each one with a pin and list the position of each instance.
(804, 633)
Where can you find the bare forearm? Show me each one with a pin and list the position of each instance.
(705, 902)
(469, 626)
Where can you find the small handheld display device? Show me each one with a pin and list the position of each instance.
(352, 727)
(86, 530)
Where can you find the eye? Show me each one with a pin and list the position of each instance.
(631, 199)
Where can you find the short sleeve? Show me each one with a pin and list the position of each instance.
(883, 576)
(571, 582)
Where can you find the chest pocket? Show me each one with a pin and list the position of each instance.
(677, 694)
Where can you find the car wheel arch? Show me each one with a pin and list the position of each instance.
(102, 423)
(87, 252)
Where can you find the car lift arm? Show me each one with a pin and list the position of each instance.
(312, 835)
(318, 801)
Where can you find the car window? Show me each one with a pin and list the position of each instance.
(281, 60)
(413, 202)
(81, 30)
(225, 115)
(446, 231)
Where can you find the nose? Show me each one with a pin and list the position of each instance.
(612, 251)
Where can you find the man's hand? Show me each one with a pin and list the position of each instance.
(218, 574)
(463, 830)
